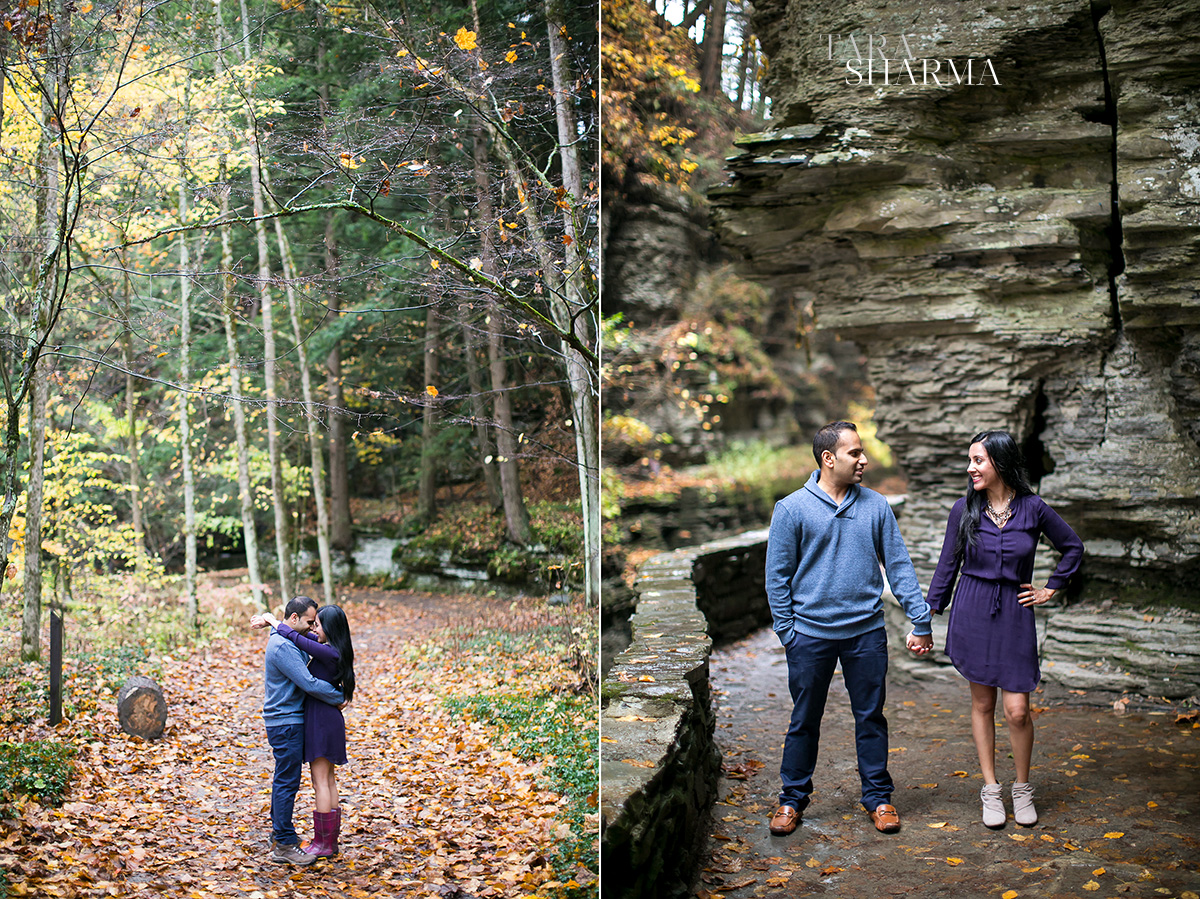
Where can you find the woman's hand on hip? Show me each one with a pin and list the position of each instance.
(1031, 596)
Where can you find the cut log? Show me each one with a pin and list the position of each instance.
(141, 707)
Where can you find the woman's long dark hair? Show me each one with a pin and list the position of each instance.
(337, 634)
(1010, 466)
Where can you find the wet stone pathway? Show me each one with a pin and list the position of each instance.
(1118, 795)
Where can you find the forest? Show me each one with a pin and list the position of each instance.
(264, 261)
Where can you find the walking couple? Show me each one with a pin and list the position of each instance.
(826, 544)
(309, 679)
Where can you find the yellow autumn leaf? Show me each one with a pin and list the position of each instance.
(1151, 804)
(935, 826)
(954, 862)
(1099, 872)
(1024, 870)
(1091, 886)
(1011, 894)
(510, 56)
(1114, 835)
(812, 863)
(433, 263)
(465, 39)
(431, 390)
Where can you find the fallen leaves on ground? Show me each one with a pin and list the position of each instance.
(432, 803)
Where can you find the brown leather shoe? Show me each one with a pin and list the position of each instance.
(886, 819)
(786, 820)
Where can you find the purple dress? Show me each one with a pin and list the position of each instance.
(324, 726)
(991, 637)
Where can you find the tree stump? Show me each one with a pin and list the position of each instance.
(142, 708)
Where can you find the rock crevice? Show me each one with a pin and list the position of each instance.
(1021, 255)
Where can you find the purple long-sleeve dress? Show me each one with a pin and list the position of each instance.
(324, 726)
(991, 637)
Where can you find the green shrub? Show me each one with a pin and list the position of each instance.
(39, 768)
(561, 728)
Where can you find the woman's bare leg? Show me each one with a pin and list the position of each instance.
(1020, 732)
(983, 729)
(324, 784)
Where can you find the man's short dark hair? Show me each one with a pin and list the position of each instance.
(298, 605)
(828, 437)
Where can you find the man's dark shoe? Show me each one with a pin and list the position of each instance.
(886, 819)
(290, 855)
(786, 820)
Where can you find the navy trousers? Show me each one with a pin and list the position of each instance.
(287, 744)
(811, 663)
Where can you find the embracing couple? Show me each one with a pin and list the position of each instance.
(309, 679)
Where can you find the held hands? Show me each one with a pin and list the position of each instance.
(1034, 597)
(919, 645)
(266, 619)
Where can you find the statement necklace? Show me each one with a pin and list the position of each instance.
(1002, 515)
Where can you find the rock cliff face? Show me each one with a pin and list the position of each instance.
(1016, 247)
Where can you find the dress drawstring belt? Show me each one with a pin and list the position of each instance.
(994, 587)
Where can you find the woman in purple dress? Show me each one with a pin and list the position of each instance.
(332, 653)
(991, 638)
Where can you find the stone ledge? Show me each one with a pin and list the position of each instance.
(659, 763)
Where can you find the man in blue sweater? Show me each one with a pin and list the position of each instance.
(287, 680)
(824, 584)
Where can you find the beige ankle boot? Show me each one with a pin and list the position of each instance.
(993, 805)
(1022, 800)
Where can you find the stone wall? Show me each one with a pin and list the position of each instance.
(658, 761)
(1022, 254)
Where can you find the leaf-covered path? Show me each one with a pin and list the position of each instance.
(1118, 794)
(433, 803)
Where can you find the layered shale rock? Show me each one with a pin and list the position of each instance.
(1000, 204)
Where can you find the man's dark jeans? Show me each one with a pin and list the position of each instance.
(811, 663)
(287, 742)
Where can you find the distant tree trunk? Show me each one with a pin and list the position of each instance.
(744, 66)
(229, 316)
(191, 599)
(483, 437)
(341, 533)
(316, 458)
(582, 379)
(31, 618)
(132, 438)
(270, 376)
(712, 51)
(427, 485)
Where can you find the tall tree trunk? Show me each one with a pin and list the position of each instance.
(516, 516)
(712, 51)
(229, 318)
(191, 598)
(31, 617)
(341, 534)
(278, 500)
(427, 485)
(49, 195)
(582, 379)
(316, 458)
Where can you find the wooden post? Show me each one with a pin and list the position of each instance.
(56, 632)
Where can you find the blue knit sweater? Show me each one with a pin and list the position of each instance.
(823, 565)
(287, 679)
